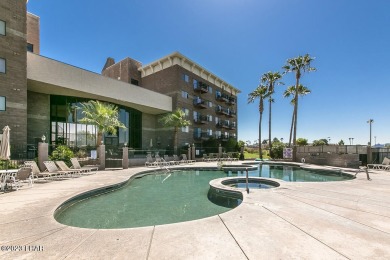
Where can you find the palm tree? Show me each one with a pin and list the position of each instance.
(290, 91)
(103, 115)
(261, 92)
(298, 65)
(175, 119)
(271, 79)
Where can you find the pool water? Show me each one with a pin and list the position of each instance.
(293, 174)
(151, 200)
(170, 197)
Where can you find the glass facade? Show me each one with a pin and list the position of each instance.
(67, 129)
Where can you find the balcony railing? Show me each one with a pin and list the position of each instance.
(201, 87)
(201, 119)
(232, 113)
(198, 102)
(232, 101)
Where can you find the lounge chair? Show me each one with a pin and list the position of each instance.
(177, 159)
(76, 165)
(384, 166)
(170, 162)
(52, 168)
(184, 158)
(160, 161)
(149, 161)
(206, 158)
(37, 174)
(14, 180)
(62, 165)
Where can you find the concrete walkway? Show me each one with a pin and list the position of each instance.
(332, 220)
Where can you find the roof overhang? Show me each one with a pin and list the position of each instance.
(52, 77)
(177, 58)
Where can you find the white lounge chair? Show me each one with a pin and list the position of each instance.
(37, 174)
(384, 166)
(62, 165)
(52, 168)
(76, 165)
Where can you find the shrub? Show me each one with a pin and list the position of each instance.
(62, 153)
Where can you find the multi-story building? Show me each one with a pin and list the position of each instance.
(207, 100)
(39, 96)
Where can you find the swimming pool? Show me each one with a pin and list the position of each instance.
(156, 199)
(169, 197)
(291, 173)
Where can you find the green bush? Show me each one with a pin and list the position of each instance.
(62, 153)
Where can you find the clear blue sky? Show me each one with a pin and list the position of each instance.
(239, 40)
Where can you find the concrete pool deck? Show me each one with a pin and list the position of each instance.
(331, 220)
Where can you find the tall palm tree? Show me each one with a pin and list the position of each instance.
(290, 91)
(270, 79)
(103, 115)
(298, 65)
(261, 92)
(175, 119)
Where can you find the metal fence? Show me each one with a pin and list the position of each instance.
(339, 149)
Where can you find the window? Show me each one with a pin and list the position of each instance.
(184, 94)
(2, 65)
(210, 118)
(210, 104)
(195, 83)
(185, 77)
(2, 103)
(185, 129)
(30, 47)
(195, 115)
(134, 82)
(210, 90)
(186, 111)
(216, 120)
(2, 27)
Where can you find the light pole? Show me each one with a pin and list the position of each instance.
(350, 140)
(328, 140)
(375, 140)
(370, 121)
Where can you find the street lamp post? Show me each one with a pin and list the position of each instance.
(370, 121)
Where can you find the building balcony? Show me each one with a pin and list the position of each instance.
(232, 113)
(200, 103)
(219, 124)
(205, 136)
(201, 88)
(223, 138)
(232, 101)
(226, 125)
(201, 119)
(222, 97)
(222, 111)
(232, 126)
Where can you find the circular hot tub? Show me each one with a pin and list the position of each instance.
(253, 183)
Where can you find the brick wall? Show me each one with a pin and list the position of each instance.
(33, 32)
(13, 83)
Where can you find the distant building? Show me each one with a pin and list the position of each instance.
(208, 101)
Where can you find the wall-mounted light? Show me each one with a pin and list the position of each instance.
(2, 103)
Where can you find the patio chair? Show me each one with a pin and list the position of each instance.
(149, 161)
(177, 159)
(63, 167)
(24, 174)
(384, 166)
(52, 168)
(170, 162)
(76, 165)
(184, 156)
(206, 158)
(36, 173)
(160, 161)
